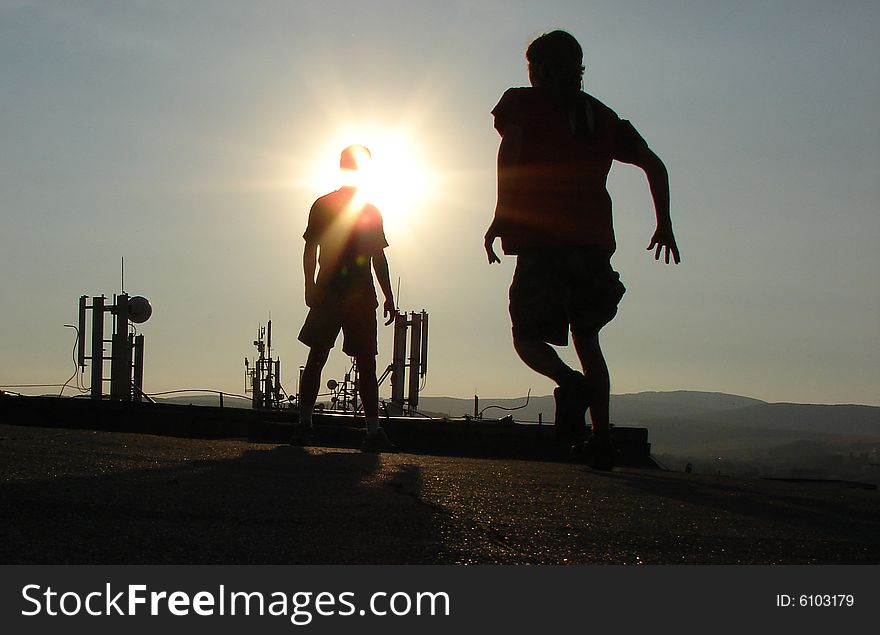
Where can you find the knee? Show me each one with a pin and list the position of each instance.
(366, 364)
(586, 341)
(589, 352)
(317, 358)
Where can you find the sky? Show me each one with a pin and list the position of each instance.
(190, 139)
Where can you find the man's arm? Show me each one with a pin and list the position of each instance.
(658, 180)
(380, 266)
(310, 266)
(509, 153)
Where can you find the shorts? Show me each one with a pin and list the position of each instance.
(354, 315)
(555, 290)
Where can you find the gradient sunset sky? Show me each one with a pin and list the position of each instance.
(190, 138)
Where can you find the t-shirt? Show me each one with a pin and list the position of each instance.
(348, 233)
(558, 195)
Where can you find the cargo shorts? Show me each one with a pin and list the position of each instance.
(562, 289)
(353, 314)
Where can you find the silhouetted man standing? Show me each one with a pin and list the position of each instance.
(344, 238)
(554, 214)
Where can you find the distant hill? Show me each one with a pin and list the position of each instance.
(838, 419)
(681, 403)
(688, 419)
(632, 408)
(683, 406)
(731, 434)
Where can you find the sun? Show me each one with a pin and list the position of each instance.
(397, 180)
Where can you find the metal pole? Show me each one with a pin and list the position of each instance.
(256, 397)
(278, 382)
(398, 361)
(258, 370)
(138, 367)
(267, 383)
(357, 388)
(415, 349)
(81, 335)
(97, 347)
(424, 367)
(120, 356)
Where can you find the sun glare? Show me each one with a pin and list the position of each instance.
(396, 179)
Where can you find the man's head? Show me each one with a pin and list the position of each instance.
(355, 157)
(556, 61)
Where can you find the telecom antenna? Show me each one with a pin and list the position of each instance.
(409, 329)
(127, 349)
(263, 379)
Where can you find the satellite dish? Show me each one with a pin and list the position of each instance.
(332, 384)
(139, 309)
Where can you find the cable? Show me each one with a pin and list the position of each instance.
(75, 364)
(216, 392)
(61, 386)
(528, 396)
(383, 403)
(426, 416)
(31, 385)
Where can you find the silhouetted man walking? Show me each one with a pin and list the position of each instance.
(554, 213)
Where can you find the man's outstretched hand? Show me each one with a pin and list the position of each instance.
(662, 239)
(389, 311)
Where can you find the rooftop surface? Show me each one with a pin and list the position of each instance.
(99, 497)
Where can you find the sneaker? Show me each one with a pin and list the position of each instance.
(572, 400)
(596, 452)
(302, 435)
(377, 442)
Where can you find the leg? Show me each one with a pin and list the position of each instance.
(311, 380)
(308, 394)
(538, 315)
(541, 358)
(570, 396)
(369, 387)
(594, 304)
(597, 451)
(596, 370)
(319, 333)
(359, 330)
(375, 439)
